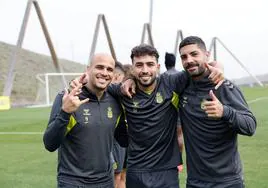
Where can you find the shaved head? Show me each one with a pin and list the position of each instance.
(102, 57)
(100, 72)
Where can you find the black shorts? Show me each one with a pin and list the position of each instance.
(125, 161)
(158, 179)
(202, 184)
(119, 154)
(63, 184)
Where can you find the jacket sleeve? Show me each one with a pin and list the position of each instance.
(121, 132)
(115, 91)
(177, 82)
(56, 129)
(235, 110)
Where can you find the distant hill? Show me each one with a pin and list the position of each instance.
(26, 88)
(249, 81)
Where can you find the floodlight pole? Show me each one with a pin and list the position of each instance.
(11, 75)
(215, 50)
(109, 38)
(95, 37)
(238, 61)
(178, 37)
(151, 14)
(146, 27)
(102, 18)
(49, 42)
(213, 47)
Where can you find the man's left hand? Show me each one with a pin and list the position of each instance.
(213, 108)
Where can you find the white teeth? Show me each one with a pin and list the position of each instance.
(102, 79)
(145, 78)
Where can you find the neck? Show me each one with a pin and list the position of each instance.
(97, 92)
(147, 88)
(202, 75)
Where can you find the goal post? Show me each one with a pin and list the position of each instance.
(50, 85)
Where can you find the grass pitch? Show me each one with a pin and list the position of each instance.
(24, 162)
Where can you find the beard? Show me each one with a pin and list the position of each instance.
(147, 83)
(196, 73)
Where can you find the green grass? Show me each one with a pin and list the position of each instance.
(24, 162)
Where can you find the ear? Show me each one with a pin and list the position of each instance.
(208, 55)
(158, 68)
(115, 76)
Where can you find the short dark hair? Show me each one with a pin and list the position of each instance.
(193, 40)
(128, 70)
(142, 50)
(170, 60)
(119, 66)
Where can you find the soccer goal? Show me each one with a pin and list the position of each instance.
(49, 84)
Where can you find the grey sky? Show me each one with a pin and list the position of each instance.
(240, 24)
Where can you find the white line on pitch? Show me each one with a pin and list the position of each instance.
(257, 99)
(21, 133)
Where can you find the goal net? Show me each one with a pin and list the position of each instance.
(49, 85)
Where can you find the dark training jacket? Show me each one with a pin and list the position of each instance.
(211, 144)
(152, 124)
(84, 139)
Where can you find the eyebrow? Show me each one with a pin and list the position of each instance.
(145, 62)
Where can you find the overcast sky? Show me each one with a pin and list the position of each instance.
(240, 24)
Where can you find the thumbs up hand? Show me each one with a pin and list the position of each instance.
(213, 108)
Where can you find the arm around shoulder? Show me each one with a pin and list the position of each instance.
(114, 90)
(178, 81)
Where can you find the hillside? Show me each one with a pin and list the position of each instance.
(26, 88)
(249, 81)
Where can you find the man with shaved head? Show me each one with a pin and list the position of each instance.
(81, 127)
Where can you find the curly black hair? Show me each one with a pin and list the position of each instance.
(142, 50)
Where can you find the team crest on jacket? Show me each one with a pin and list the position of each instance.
(109, 112)
(159, 98)
(202, 104)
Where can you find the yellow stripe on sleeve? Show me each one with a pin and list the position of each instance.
(71, 124)
(175, 100)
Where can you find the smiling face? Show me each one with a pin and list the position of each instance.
(100, 72)
(193, 59)
(145, 69)
(145, 66)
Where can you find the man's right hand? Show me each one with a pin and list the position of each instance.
(83, 79)
(128, 88)
(71, 101)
